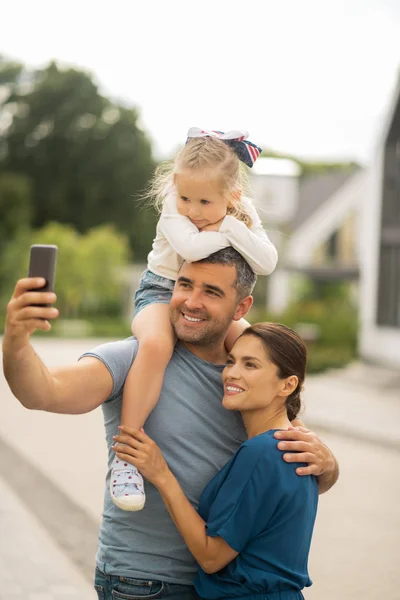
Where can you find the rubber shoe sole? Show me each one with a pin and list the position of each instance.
(128, 503)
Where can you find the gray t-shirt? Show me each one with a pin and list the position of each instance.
(197, 437)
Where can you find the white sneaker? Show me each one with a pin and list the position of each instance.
(126, 486)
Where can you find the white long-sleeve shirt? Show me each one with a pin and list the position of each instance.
(178, 238)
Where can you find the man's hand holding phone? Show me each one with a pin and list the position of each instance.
(30, 305)
(28, 310)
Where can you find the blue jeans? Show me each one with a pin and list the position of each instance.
(153, 289)
(112, 587)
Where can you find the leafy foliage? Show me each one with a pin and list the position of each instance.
(330, 315)
(86, 156)
(15, 206)
(88, 266)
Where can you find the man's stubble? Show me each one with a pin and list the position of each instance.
(212, 333)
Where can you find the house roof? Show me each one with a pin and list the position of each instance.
(314, 190)
(391, 123)
(276, 166)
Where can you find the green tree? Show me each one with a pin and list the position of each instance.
(15, 216)
(13, 264)
(89, 266)
(15, 206)
(86, 156)
(70, 271)
(105, 254)
(10, 78)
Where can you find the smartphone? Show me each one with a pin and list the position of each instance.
(42, 263)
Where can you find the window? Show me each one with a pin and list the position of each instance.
(332, 246)
(389, 263)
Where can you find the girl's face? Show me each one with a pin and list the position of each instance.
(200, 197)
(251, 380)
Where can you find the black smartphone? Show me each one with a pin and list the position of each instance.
(42, 263)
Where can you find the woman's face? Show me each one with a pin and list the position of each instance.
(250, 379)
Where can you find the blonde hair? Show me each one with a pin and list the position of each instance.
(203, 153)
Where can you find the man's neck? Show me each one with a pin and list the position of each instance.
(213, 353)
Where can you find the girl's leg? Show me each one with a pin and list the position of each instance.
(142, 389)
(153, 329)
(236, 328)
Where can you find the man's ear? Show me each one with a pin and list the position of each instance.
(243, 308)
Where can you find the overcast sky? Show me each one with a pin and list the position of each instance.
(309, 77)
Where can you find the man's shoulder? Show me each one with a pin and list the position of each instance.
(117, 357)
(127, 347)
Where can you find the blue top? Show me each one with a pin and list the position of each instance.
(196, 434)
(266, 512)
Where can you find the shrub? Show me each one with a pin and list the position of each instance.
(335, 320)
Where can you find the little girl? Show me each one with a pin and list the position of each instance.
(202, 211)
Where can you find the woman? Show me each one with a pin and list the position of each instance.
(252, 533)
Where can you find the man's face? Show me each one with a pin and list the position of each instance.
(204, 302)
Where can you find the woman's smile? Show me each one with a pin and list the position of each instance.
(232, 389)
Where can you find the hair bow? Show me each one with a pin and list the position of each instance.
(245, 150)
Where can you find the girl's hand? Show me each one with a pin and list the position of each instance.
(140, 450)
(213, 226)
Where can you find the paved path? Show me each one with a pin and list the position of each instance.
(362, 401)
(54, 444)
(32, 566)
(355, 552)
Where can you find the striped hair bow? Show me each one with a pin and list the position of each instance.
(245, 150)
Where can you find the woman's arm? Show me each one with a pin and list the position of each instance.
(212, 553)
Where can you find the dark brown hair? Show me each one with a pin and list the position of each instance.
(288, 352)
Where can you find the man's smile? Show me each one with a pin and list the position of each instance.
(192, 319)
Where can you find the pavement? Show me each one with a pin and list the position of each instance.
(361, 401)
(48, 536)
(32, 565)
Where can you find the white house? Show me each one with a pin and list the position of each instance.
(324, 237)
(380, 248)
(275, 190)
(315, 225)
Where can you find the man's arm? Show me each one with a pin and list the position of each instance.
(76, 389)
(308, 448)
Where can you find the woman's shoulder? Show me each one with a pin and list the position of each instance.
(262, 440)
(259, 448)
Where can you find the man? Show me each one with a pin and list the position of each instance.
(142, 554)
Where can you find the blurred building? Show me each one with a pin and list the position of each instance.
(315, 224)
(380, 264)
(340, 226)
(275, 190)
